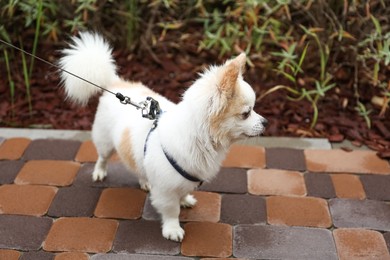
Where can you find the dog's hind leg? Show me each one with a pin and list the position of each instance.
(100, 170)
(104, 149)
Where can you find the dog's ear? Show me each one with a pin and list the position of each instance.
(231, 70)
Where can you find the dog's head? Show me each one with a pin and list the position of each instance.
(228, 102)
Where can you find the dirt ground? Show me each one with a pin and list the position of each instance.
(170, 73)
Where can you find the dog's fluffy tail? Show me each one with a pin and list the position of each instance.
(89, 57)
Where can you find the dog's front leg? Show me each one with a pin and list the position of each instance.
(168, 205)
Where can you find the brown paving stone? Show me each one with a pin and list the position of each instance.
(207, 239)
(351, 213)
(242, 156)
(143, 237)
(123, 203)
(228, 180)
(13, 148)
(208, 208)
(118, 176)
(87, 152)
(48, 172)
(30, 200)
(243, 209)
(9, 170)
(376, 186)
(295, 211)
(8, 254)
(357, 161)
(285, 159)
(319, 185)
(81, 235)
(23, 232)
(278, 242)
(360, 244)
(74, 202)
(71, 256)
(348, 186)
(51, 149)
(276, 182)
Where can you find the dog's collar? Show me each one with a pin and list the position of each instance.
(170, 159)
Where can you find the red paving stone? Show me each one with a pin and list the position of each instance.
(348, 186)
(273, 203)
(207, 239)
(245, 157)
(30, 200)
(48, 172)
(358, 161)
(121, 203)
(72, 256)
(294, 211)
(13, 149)
(207, 208)
(81, 234)
(360, 244)
(276, 182)
(87, 152)
(8, 254)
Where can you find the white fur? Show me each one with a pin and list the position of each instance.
(184, 130)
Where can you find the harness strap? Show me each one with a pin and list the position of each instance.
(180, 170)
(172, 161)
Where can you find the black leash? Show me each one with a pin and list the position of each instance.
(150, 107)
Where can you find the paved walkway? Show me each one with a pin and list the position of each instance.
(266, 203)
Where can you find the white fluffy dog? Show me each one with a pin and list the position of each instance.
(191, 138)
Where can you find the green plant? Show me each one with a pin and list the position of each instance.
(11, 82)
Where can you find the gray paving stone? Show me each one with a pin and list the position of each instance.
(23, 232)
(122, 256)
(39, 255)
(377, 187)
(9, 170)
(74, 202)
(118, 176)
(285, 159)
(276, 242)
(143, 237)
(51, 149)
(319, 185)
(371, 214)
(228, 180)
(243, 209)
(387, 239)
(150, 212)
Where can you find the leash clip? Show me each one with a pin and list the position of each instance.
(151, 108)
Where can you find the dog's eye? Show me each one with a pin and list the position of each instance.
(245, 115)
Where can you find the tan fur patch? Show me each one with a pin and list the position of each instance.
(233, 108)
(229, 80)
(126, 150)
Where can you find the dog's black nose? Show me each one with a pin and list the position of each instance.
(264, 122)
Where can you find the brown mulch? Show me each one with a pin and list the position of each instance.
(170, 74)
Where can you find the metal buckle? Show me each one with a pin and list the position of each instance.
(151, 109)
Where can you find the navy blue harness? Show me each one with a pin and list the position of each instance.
(170, 159)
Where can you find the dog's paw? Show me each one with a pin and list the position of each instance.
(188, 201)
(173, 232)
(145, 186)
(99, 175)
